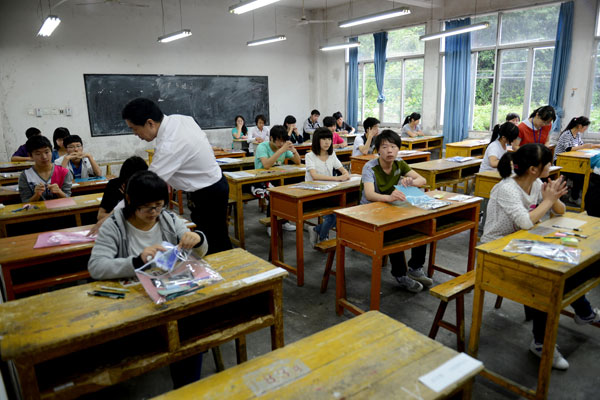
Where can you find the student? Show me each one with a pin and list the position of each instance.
(514, 118)
(43, 181)
(321, 163)
(59, 149)
(364, 144)
(311, 124)
(132, 236)
(502, 136)
(82, 165)
(592, 205)
(338, 141)
(520, 201)
(240, 132)
(258, 133)
(290, 126)
(21, 154)
(411, 126)
(379, 178)
(342, 127)
(536, 128)
(115, 188)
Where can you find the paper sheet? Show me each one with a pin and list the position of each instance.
(226, 160)
(563, 222)
(450, 372)
(59, 203)
(238, 174)
(411, 191)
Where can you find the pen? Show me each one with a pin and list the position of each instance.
(564, 227)
(114, 288)
(99, 293)
(551, 237)
(576, 235)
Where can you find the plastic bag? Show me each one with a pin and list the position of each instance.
(551, 251)
(415, 197)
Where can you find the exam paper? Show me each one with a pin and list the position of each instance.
(238, 174)
(450, 372)
(563, 222)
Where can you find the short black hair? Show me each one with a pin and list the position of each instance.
(260, 117)
(389, 136)
(546, 113)
(328, 121)
(278, 132)
(370, 122)
(144, 187)
(131, 166)
(321, 133)
(337, 115)
(528, 155)
(140, 110)
(511, 116)
(315, 112)
(290, 119)
(60, 133)
(30, 132)
(72, 139)
(37, 142)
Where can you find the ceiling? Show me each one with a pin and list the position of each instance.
(319, 4)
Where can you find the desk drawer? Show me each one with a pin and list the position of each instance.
(571, 165)
(483, 187)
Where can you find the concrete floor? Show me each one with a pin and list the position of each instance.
(505, 335)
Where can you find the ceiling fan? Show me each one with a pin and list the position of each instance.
(305, 21)
(119, 2)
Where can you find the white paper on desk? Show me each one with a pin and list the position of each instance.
(263, 275)
(355, 178)
(406, 152)
(74, 185)
(238, 174)
(450, 372)
(226, 160)
(13, 188)
(563, 222)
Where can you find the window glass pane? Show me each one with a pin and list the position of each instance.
(360, 93)
(485, 37)
(443, 91)
(393, 92)
(530, 25)
(542, 71)
(413, 86)
(511, 85)
(366, 50)
(595, 111)
(371, 106)
(405, 41)
(484, 90)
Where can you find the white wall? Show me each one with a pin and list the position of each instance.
(108, 38)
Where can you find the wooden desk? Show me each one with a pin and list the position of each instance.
(349, 138)
(536, 282)
(240, 164)
(238, 144)
(303, 148)
(87, 203)
(379, 229)
(577, 162)
(9, 178)
(343, 154)
(485, 181)
(79, 188)
(368, 357)
(275, 175)
(358, 162)
(298, 205)
(8, 166)
(230, 153)
(467, 148)
(439, 173)
(424, 143)
(78, 344)
(109, 164)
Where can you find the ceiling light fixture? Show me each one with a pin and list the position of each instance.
(456, 31)
(339, 46)
(249, 5)
(180, 34)
(398, 12)
(271, 39)
(49, 25)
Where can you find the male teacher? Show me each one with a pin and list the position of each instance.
(184, 158)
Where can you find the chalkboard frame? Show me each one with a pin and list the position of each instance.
(92, 103)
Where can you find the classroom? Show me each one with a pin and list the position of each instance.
(326, 302)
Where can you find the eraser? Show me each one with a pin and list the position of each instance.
(560, 234)
(569, 241)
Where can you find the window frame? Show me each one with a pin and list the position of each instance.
(593, 64)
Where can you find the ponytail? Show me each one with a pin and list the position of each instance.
(508, 130)
(504, 165)
(495, 133)
(412, 117)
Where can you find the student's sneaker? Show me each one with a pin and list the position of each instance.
(313, 236)
(409, 284)
(269, 231)
(419, 276)
(289, 227)
(559, 362)
(590, 319)
(258, 192)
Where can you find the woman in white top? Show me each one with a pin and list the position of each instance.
(502, 136)
(321, 164)
(411, 126)
(520, 201)
(258, 133)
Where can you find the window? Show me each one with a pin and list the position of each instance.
(403, 83)
(595, 103)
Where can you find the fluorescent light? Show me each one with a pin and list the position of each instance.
(250, 5)
(398, 12)
(271, 39)
(339, 46)
(456, 31)
(175, 35)
(49, 25)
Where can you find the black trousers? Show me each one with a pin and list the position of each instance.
(592, 197)
(417, 260)
(209, 213)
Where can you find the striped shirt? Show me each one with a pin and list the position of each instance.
(566, 141)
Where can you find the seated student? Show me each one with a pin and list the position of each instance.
(338, 142)
(364, 144)
(292, 131)
(341, 126)
(536, 128)
(520, 201)
(311, 124)
(240, 131)
(271, 153)
(502, 136)
(132, 236)
(257, 134)
(115, 188)
(514, 118)
(82, 165)
(379, 176)
(43, 181)
(21, 153)
(592, 205)
(59, 149)
(321, 163)
(411, 126)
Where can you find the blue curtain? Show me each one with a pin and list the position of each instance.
(381, 40)
(458, 83)
(560, 64)
(352, 115)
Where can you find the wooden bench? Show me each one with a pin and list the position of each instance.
(328, 247)
(455, 288)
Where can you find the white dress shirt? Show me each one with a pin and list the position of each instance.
(253, 133)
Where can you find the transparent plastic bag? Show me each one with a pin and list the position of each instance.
(415, 197)
(551, 251)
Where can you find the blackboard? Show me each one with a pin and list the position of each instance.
(212, 100)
